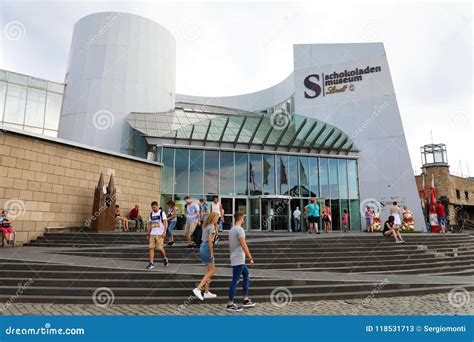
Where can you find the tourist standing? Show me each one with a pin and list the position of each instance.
(345, 221)
(192, 219)
(238, 250)
(297, 219)
(369, 220)
(172, 221)
(157, 226)
(390, 229)
(206, 252)
(134, 215)
(441, 213)
(312, 209)
(396, 212)
(327, 218)
(216, 207)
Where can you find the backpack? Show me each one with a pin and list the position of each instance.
(197, 235)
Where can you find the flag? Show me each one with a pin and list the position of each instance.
(424, 193)
(433, 196)
(266, 171)
(283, 177)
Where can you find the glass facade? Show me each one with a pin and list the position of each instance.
(29, 103)
(267, 186)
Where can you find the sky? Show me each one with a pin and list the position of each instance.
(229, 48)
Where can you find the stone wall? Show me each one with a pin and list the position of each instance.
(446, 185)
(48, 182)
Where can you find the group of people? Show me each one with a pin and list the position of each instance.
(209, 220)
(312, 215)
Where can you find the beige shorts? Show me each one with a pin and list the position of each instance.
(189, 228)
(156, 242)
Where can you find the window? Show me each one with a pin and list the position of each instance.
(241, 170)
(353, 179)
(324, 177)
(282, 174)
(211, 172)
(268, 174)
(466, 195)
(196, 172)
(458, 194)
(255, 172)
(35, 105)
(181, 171)
(227, 173)
(304, 176)
(313, 179)
(343, 187)
(53, 110)
(333, 188)
(294, 189)
(167, 172)
(16, 104)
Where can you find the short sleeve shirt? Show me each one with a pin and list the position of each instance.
(237, 255)
(192, 211)
(205, 234)
(157, 222)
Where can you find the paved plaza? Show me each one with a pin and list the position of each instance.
(432, 304)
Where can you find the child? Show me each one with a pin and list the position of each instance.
(345, 221)
(157, 227)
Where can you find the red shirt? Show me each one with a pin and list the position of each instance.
(440, 210)
(133, 213)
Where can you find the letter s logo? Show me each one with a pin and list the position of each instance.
(310, 84)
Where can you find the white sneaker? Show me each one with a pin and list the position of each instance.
(198, 293)
(208, 295)
(398, 241)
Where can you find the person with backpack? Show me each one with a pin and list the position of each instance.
(192, 218)
(216, 207)
(206, 252)
(172, 220)
(157, 226)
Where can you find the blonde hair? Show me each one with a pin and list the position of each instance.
(212, 218)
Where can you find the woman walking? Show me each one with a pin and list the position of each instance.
(172, 220)
(327, 218)
(206, 252)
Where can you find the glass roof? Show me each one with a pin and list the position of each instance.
(225, 127)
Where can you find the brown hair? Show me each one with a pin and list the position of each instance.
(212, 218)
(238, 216)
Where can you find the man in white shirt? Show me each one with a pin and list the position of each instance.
(297, 219)
(157, 226)
(193, 215)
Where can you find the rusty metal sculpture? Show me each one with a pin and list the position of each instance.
(103, 208)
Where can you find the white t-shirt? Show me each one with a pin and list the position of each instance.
(297, 214)
(157, 222)
(216, 208)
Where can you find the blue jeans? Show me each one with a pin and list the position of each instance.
(237, 271)
(297, 225)
(171, 226)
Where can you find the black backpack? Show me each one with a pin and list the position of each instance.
(197, 235)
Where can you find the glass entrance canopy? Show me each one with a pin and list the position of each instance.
(213, 126)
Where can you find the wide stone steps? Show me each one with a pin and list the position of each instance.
(363, 254)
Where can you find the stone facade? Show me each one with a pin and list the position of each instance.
(446, 185)
(48, 182)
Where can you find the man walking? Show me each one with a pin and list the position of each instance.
(192, 219)
(156, 234)
(441, 213)
(297, 219)
(238, 250)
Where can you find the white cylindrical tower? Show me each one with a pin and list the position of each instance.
(118, 63)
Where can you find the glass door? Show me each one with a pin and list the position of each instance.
(228, 207)
(254, 213)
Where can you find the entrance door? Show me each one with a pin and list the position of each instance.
(275, 214)
(228, 207)
(254, 213)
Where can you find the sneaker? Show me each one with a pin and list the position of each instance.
(234, 308)
(398, 241)
(198, 293)
(190, 246)
(169, 244)
(248, 303)
(150, 266)
(209, 295)
(165, 262)
(403, 241)
(216, 240)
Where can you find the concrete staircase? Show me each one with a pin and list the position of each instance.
(279, 255)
